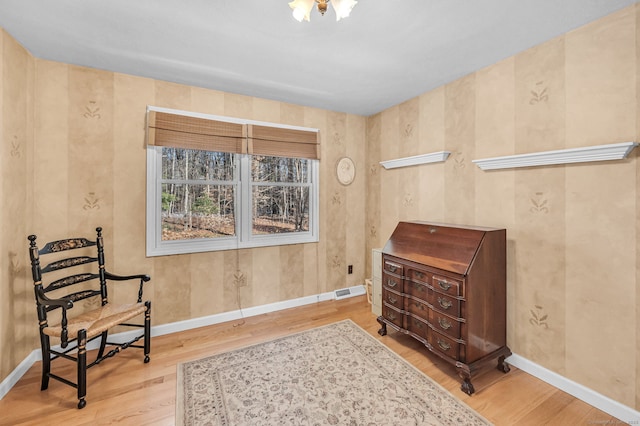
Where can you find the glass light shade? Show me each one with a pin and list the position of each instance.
(343, 8)
(302, 9)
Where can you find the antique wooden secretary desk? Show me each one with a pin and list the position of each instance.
(445, 285)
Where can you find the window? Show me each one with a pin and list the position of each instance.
(216, 185)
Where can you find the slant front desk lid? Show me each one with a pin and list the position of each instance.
(448, 247)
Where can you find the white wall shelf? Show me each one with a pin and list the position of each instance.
(615, 151)
(434, 157)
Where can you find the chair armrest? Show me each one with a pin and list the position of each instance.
(143, 279)
(44, 300)
(114, 277)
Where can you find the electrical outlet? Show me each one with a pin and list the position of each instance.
(350, 269)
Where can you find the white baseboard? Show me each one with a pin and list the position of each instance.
(18, 372)
(601, 402)
(238, 314)
(159, 330)
(579, 391)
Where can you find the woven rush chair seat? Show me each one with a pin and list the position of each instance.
(86, 279)
(99, 320)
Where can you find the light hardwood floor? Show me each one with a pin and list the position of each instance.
(123, 390)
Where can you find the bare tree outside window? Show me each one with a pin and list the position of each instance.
(280, 194)
(198, 194)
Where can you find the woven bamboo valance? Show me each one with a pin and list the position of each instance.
(283, 142)
(185, 131)
(182, 131)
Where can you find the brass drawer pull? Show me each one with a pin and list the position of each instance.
(418, 287)
(391, 299)
(418, 324)
(444, 285)
(392, 268)
(419, 306)
(391, 283)
(444, 324)
(419, 275)
(391, 316)
(444, 345)
(445, 304)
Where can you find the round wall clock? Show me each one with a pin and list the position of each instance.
(346, 171)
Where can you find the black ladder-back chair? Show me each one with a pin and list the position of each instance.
(75, 331)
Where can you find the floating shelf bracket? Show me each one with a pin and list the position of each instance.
(616, 151)
(434, 157)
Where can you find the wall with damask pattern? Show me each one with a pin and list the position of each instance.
(79, 135)
(17, 314)
(96, 129)
(573, 231)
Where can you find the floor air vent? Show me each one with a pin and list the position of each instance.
(343, 293)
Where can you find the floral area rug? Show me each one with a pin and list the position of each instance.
(332, 375)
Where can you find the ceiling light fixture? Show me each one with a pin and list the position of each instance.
(302, 8)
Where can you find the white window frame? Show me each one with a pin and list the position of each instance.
(243, 212)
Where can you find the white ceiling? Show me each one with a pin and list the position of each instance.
(386, 52)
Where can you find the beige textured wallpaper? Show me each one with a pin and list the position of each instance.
(573, 236)
(73, 158)
(16, 136)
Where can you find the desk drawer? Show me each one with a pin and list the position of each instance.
(420, 276)
(446, 304)
(393, 315)
(393, 267)
(445, 345)
(445, 324)
(447, 286)
(419, 327)
(415, 289)
(392, 282)
(418, 308)
(393, 298)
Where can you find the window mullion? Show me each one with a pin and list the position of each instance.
(154, 194)
(245, 214)
(314, 199)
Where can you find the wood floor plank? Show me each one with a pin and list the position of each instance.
(126, 391)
